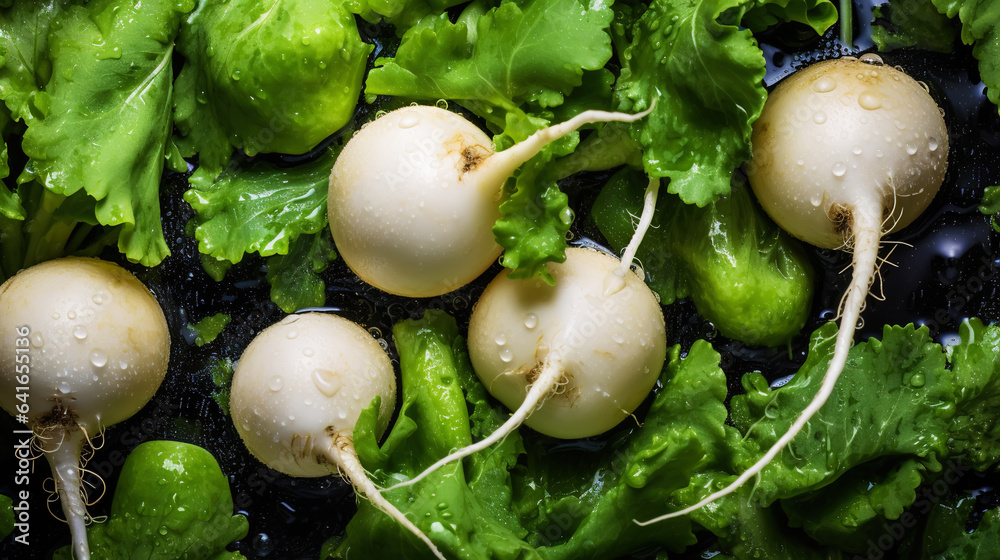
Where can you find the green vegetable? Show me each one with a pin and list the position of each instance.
(294, 277)
(205, 331)
(980, 28)
(699, 131)
(172, 502)
(915, 23)
(749, 278)
(265, 77)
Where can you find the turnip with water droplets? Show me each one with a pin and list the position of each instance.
(297, 394)
(83, 345)
(845, 151)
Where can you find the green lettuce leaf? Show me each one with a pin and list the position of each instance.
(895, 390)
(980, 28)
(172, 502)
(706, 79)
(241, 56)
(294, 277)
(260, 208)
(752, 280)
(111, 64)
(26, 66)
(513, 55)
(975, 436)
(916, 23)
(817, 14)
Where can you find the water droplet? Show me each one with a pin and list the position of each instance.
(55, 316)
(566, 216)
(64, 388)
(819, 117)
(99, 358)
(441, 103)
(869, 100)
(275, 384)
(306, 40)
(36, 339)
(506, 355)
(409, 121)
(80, 332)
(308, 352)
(824, 85)
(839, 169)
(816, 200)
(900, 124)
(292, 334)
(932, 144)
(800, 162)
(235, 75)
(500, 339)
(917, 380)
(531, 321)
(71, 315)
(911, 149)
(618, 337)
(857, 150)
(872, 58)
(326, 381)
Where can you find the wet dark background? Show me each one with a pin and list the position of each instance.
(949, 273)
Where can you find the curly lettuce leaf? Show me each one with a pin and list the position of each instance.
(521, 53)
(26, 65)
(260, 208)
(975, 436)
(463, 507)
(294, 277)
(981, 29)
(890, 401)
(241, 57)
(111, 64)
(752, 280)
(913, 24)
(706, 79)
(817, 14)
(172, 501)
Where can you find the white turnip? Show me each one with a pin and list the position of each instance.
(414, 195)
(571, 360)
(83, 346)
(298, 392)
(844, 152)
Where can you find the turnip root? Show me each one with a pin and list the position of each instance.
(571, 360)
(83, 346)
(414, 196)
(844, 152)
(298, 391)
